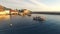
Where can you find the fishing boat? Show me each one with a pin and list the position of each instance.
(39, 18)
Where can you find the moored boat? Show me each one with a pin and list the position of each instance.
(39, 18)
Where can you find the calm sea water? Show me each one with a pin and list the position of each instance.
(26, 24)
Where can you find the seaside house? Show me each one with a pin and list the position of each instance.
(5, 12)
(13, 12)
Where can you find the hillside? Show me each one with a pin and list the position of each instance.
(2, 8)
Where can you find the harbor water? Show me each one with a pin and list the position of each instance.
(15, 24)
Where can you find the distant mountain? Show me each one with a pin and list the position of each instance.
(52, 13)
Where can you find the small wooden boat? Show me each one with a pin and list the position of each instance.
(39, 18)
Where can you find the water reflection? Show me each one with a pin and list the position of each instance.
(4, 17)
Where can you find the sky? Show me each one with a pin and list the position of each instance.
(34, 5)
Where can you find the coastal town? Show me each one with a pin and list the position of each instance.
(21, 12)
(9, 11)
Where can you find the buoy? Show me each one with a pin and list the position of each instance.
(10, 24)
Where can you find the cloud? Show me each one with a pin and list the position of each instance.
(44, 7)
(31, 4)
(39, 6)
